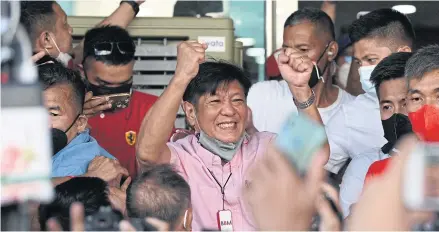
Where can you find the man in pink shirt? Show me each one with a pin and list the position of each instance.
(216, 159)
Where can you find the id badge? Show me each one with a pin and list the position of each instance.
(225, 220)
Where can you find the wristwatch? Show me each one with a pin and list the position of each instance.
(307, 103)
(134, 5)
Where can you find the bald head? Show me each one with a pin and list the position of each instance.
(159, 192)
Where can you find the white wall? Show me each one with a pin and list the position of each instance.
(284, 8)
(151, 8)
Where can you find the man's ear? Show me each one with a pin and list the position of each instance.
(332, 51)
(189, 110)
(44, 41)
(82, 123)
(404, 49)
(189, 220)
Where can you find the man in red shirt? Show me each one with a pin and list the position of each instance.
(115, 111)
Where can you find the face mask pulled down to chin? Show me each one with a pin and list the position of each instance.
(425, 123)
(225, 151)
(365, 73)
(317, 74)
(63, 58)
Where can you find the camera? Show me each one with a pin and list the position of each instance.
(107, 219)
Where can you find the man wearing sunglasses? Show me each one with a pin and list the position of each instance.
(115, 111)
(51, 34)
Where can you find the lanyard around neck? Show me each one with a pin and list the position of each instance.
(221, 186)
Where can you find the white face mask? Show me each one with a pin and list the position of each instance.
(342, 74)
(63, 58)
(365, 72)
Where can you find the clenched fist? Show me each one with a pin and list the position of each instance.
(295, 67)
(189, 56)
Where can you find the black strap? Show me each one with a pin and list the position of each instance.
(133, 4)
(223, 186)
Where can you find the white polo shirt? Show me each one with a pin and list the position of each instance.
(354, 129)
(272, 102)
(353, 179)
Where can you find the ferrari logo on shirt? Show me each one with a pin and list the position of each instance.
(130, 137)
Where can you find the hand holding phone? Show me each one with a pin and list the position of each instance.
(299, 139)
(97, 104)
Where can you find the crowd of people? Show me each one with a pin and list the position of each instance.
(117, 148)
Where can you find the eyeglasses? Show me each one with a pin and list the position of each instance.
(104, 49)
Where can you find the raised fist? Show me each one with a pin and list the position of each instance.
(189, 56)
(295, 67)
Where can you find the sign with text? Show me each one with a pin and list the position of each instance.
(214, 43)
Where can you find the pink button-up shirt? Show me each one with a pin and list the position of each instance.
(193, 162)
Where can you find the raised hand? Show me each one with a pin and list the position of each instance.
(295, 67)
(189, 56)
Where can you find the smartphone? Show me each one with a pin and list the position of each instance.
(421, 178)
(118, 101)
(299, 139)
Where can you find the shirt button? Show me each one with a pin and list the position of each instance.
(102, 115)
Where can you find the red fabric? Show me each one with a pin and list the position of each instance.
(425, 123)
(271, 67)
(110, 131)
(377, 169)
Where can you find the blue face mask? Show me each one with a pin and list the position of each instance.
(224, 150)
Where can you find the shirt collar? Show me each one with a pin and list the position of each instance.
(211, 160)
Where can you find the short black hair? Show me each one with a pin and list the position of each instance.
(52, 73)
(158, 192)
(423, 61)
(213, 75)
(390, 68)
(107, 34)
(37, 16)
(315, 16)
(388, 24)
(92, 192)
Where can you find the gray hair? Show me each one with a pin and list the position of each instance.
(423, 61)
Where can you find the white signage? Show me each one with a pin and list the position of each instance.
(214, 43)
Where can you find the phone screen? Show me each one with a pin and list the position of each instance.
(299, 139)
(118, 101)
